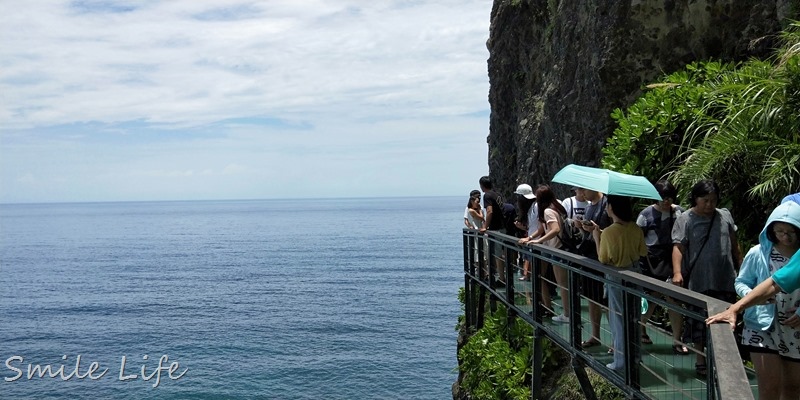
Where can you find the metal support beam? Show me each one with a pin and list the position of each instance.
(632, 311)
(583, 379)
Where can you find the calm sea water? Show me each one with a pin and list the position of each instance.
(274, 299)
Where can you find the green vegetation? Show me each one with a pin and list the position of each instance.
(568, 388)
(737, 124)
(496, 363)
(495, 367)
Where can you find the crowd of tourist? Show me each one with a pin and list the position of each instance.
(696, 248)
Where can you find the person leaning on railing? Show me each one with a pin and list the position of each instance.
(772, 338)
(549, 212)
(787, 279)
(527, 221)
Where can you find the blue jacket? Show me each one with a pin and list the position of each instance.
(755, 267)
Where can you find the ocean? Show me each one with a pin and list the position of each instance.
(261, 299)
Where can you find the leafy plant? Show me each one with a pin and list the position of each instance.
(496, 361)
(652, 131)
(492, 368)
(737, 124)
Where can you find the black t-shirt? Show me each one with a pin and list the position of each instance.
(492, 199)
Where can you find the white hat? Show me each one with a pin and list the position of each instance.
(526, 191)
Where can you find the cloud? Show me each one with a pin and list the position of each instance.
(156, 81)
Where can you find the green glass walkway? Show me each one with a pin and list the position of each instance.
(663, 374)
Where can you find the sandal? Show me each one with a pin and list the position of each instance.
(680, 349)
(611, 351)
(589, 343)
(646, 339)
(700, 369)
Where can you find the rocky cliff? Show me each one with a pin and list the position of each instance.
(557, 68)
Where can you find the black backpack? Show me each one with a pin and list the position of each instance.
(509, 217)
(570, 236)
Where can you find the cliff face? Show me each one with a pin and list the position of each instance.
(557, 69)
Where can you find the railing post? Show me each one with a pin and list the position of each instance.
(632, 310)
(538, 351)
(492, 270)
(575, 318)
(468, 240)
(483, 255)
(536, 287)
(509, 278)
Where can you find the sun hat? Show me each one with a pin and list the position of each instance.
(526, 191)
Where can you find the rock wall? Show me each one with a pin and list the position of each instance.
(557, 68)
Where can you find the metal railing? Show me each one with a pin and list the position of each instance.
(649, 372)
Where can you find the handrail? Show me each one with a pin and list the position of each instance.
(726, 374)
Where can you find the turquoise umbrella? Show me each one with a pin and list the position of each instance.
(606, 181)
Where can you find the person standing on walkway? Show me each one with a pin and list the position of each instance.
(492, 204)
(528, 222)
(656, 222)
(705, 255)
(595, 218)
(621, 245)
(576, 208)
(550, 213)
(473, 215)
(493, 218)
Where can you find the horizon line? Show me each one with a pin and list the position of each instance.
(212, 200)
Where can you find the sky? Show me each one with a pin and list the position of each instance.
(105, 100)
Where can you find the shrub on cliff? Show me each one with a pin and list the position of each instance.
(496, 360)
(736, 124)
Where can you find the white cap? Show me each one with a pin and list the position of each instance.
(526, 191)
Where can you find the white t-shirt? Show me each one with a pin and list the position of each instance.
(574, 207)
(533, 219)
(476, 224)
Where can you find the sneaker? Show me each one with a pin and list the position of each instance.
(613, 366)
(561, 318)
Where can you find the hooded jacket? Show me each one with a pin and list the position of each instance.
(755, 267)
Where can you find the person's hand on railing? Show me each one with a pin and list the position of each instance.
(728, 316)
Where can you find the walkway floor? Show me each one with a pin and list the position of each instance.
(664, 374)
